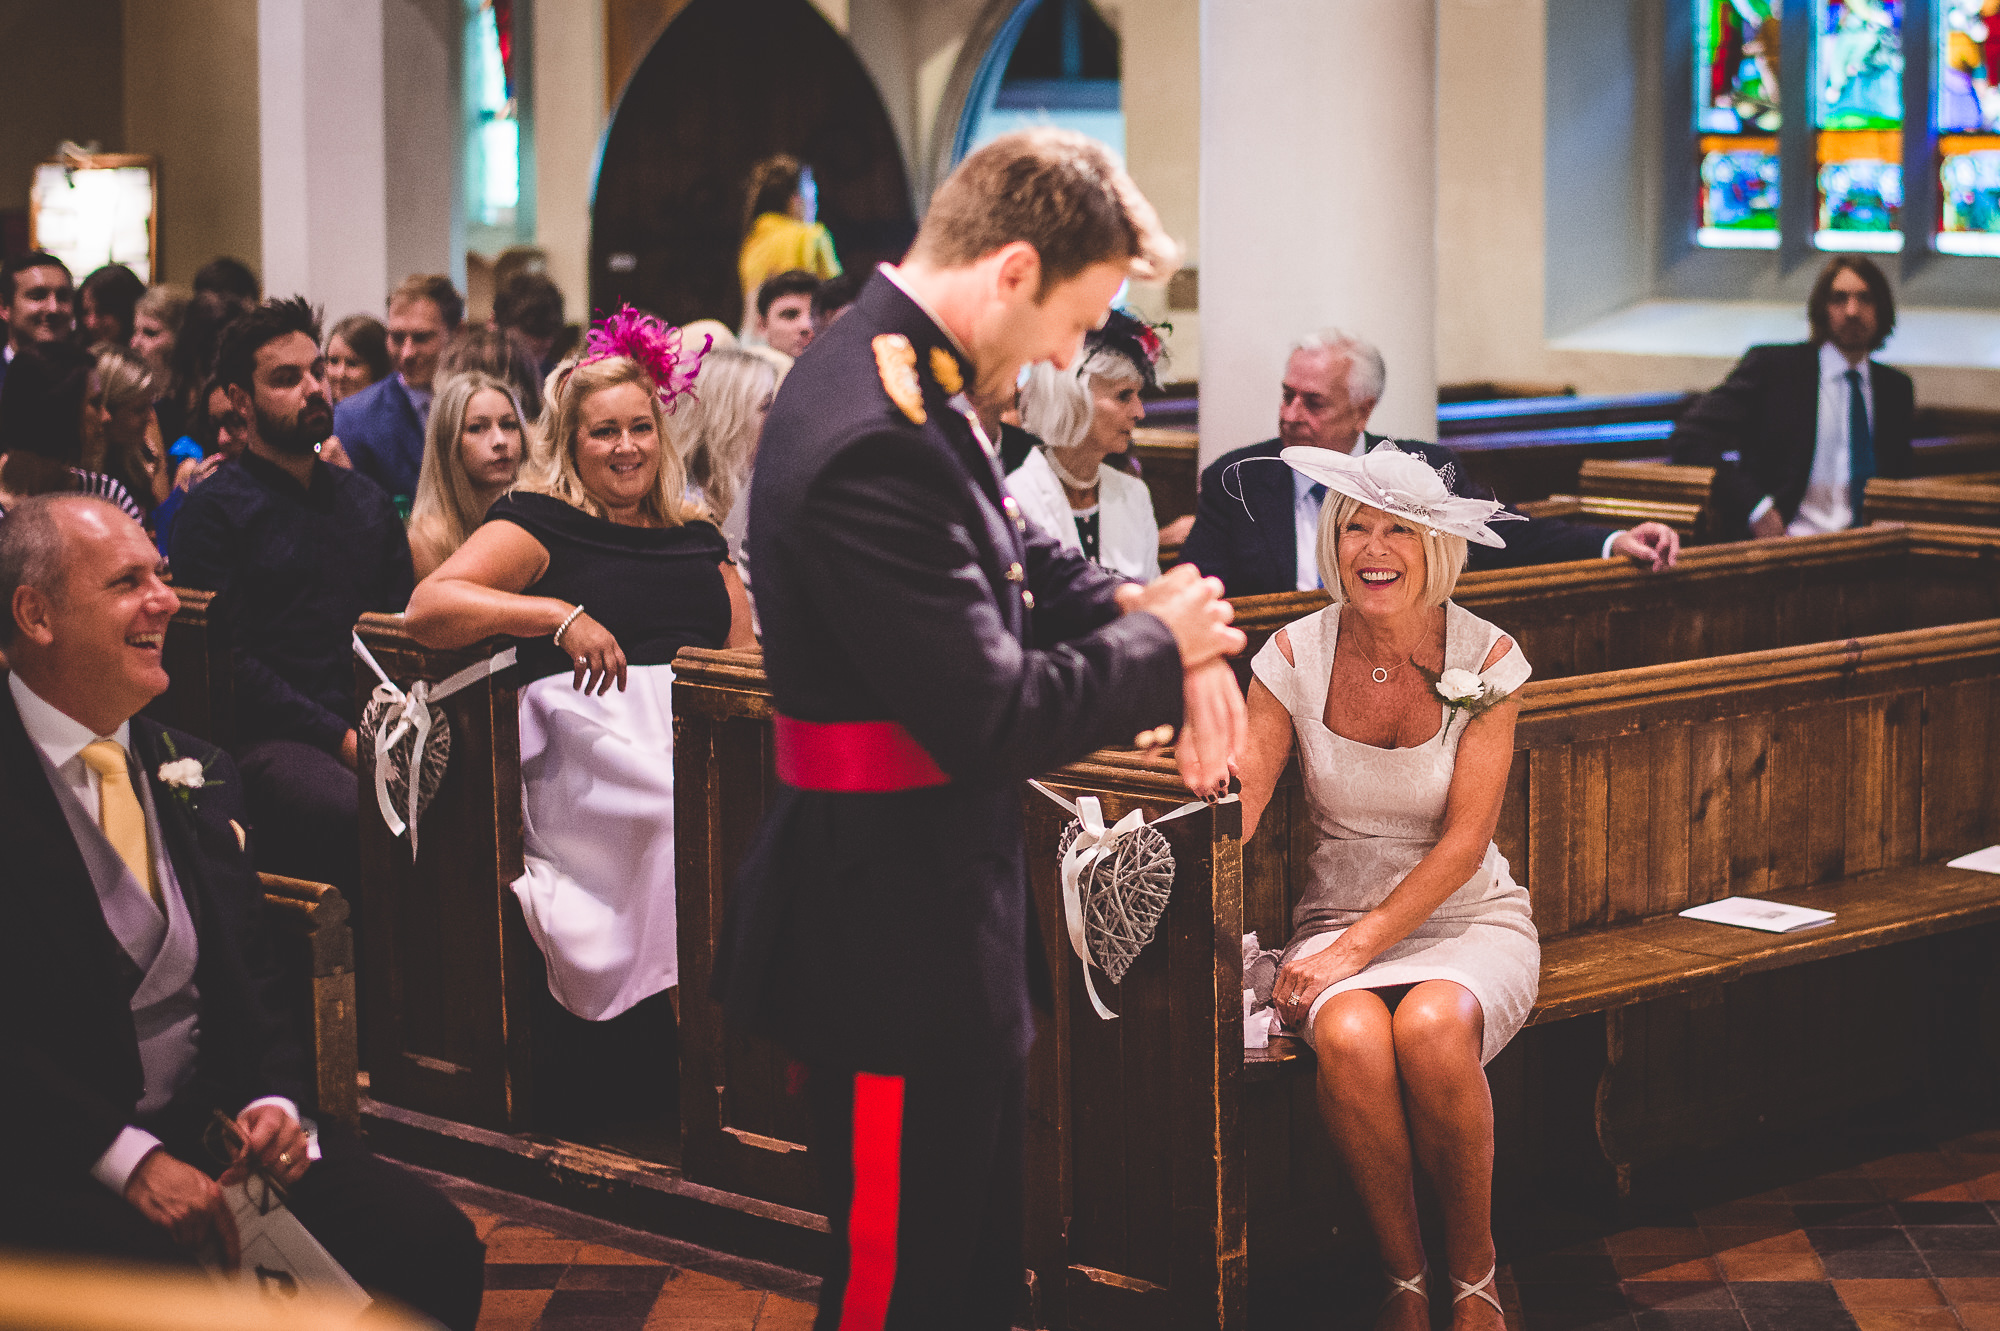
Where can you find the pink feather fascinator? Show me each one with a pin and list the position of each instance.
(654, 344)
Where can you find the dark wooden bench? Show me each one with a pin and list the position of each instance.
(450, 968)
(201, 681)
(1168, 461)
(316, 955)
(1556, 412)
(1625, 493)
(1970, 501)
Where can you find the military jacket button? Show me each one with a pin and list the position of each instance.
(1027, 599)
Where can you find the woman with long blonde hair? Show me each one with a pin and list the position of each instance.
(601, 570)
(716, 434)
(472, 455)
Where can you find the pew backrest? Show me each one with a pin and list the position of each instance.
(316, 956)
(1169, 463)
(1971, 500)
(451, 969)
(201, 683)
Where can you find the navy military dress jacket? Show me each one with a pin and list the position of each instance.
(893, 932)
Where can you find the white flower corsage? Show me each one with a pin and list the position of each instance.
(183, 776)
(1463, 692)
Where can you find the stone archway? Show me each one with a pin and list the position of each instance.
(729, 82)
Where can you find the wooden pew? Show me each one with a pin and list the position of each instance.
(1133, 1218)
(1604, 614)
(201, 682)
(1969, 501)
(1556, 412)
(1494, 390)
(1634, 793)
(1625, 493)
(1168, 461)
(316, 954)
(450, 969)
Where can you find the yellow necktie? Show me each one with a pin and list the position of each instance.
(118, 811)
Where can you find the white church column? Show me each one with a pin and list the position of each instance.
(1318, 201)
(359, 141)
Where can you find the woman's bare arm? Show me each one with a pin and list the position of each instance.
(741, 634)
(477, 592)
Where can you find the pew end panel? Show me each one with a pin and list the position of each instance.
(316, 955)
(1169, 463)
(1134, 1207)
(742, 1127)
(450, 971)
(201, 683)
(1134, 1194)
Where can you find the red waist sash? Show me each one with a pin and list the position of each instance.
(854, 757)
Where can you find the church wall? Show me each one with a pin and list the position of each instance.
(191, 100)
(422, 43)
(65, 80)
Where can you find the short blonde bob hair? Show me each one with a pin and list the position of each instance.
(562, 428)
(1444, 554)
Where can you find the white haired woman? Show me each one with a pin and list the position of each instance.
(716, 436)
(1082, 417)
(472, 455)
(609, 528)
(1413, 958)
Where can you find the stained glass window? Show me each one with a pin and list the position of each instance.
(493, 147)
(1737, 117)
(1968, 122)
(1858, 113)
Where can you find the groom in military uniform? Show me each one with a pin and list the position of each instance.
(928, 651)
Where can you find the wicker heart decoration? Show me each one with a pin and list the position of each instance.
(1125, 894)
(383, 711)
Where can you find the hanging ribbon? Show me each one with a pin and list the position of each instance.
(413, 717)
(1095, 843)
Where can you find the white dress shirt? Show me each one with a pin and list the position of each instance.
(62, 740)
(1829, 504)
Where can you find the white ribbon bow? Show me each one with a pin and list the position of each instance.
(413, 716)
(1095, 842)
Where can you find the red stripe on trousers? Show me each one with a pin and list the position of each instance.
(871, 1217)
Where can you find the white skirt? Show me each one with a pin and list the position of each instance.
(597, 800)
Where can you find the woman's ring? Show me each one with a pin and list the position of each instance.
(284, 1157)
(583, 660)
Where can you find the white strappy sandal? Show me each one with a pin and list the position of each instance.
(1482, 1289)
(1399, 1286)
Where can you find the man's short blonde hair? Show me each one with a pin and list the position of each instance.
(1444, 554)
(1062, 192)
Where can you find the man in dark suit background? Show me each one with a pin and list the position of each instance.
(1254, 525)
(135, 973)
(1811, 421)
(382, 426)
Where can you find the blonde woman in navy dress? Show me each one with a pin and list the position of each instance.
(1413, 957)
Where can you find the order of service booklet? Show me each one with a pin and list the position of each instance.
(1752, 913)
(1986, 861)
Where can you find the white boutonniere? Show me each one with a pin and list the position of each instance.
(1464, 693)
(183, 776)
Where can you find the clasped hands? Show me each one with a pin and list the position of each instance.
(189, 1205)
(1212, 730)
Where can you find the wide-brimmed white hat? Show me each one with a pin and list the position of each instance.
(1404, 484)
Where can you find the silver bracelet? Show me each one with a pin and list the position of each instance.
(566, 623)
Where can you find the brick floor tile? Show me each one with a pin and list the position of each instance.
(1957, 1264)
(1972, 1289)
(1888, 1294)
(711, 1303)
(1770, 1266)
(522, 1275)
(1905, 1319)
(1739, 1214)
(783, 1314)
(1927, 1190)
(1875, 1265)
(511, 1307)
(1666, 1268)
(598, 1254)
(1979, 1316)
(1690, 1319)
(1657, 1242)
(646, 1279)
(1676, 1295)
(683, 1281)
(1759, 1241)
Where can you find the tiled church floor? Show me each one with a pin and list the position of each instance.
(1905, 1235)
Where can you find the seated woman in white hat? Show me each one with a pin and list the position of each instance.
(1413, 958)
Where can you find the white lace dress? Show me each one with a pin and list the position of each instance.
(1378, 812)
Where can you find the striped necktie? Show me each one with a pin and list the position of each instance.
(118, 811)
(1860, 444)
